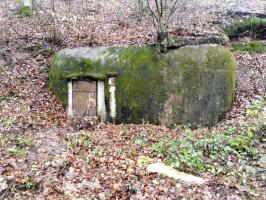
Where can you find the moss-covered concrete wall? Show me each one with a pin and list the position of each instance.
(193, 85)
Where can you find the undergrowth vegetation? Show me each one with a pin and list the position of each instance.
(228, 154)
(251, 47)
(234, 151)
(251, 27)
(204, 151)
(203, 154)
(3, 101)
(16, 144)
(198, 151)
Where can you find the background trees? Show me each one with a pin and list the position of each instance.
(163, 13)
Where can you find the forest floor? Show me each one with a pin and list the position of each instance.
(44, 154)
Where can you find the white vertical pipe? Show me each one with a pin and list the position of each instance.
(101, 110)
(70, 98)
(112, 101)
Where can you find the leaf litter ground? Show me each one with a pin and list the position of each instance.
(44, 153)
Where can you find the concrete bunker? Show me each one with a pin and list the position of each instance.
(194, 84)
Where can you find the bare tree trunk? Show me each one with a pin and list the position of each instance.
(162, 12)
(26, 8)
(69, 6)
(86, 6)
(52, 4)
(142, 6)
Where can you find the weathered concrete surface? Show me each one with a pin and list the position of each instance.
(193, 85)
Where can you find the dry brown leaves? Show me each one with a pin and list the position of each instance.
(108, 169)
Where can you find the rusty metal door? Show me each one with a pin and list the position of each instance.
(84, 98)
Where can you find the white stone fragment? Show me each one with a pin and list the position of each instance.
(3, 184)
(171, 172)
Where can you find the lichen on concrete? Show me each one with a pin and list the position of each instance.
(193, 85)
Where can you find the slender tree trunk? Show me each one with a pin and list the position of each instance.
(53, 6)
(142, 6)
(26, 8)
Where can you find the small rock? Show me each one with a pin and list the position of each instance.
(117, 187)
(47, 164)
(2, 170)
(70, 174)
(18, 56)
(70, 189)
(155, 182)
(178, 186)
(207, 195)
(3, 184)
(92, 185)
(130, 170)
(245, 39)
(262, 162)
(171, 172)
(101, 195)
(40, 57)
(57, 162)
(2, 63)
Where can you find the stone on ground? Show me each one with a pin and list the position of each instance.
(171, 172)
(3, 184)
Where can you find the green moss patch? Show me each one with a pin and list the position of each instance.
(251, 27)
(26, 11)
(80, 76)
(251, 47)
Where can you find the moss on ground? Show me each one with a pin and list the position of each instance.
(251, 27)
(251, 47)
(26, 11)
